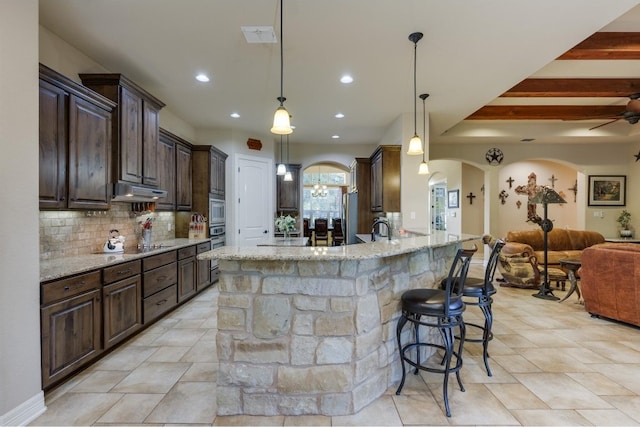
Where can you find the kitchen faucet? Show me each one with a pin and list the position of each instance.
(373, 228)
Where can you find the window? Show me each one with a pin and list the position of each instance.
(316, 205)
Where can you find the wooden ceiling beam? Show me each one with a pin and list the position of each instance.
(562, 87)
(546, 112)
(606, 45)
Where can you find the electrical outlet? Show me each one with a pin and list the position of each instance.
(169, 226)
(413, 215)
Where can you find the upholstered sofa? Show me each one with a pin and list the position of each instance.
(610, 281)
(522, 259)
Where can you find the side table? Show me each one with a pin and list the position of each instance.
(571, 264)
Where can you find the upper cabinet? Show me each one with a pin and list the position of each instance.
(174, 174)
(360, 172)
(288, 192)
(135, 127)
(217, 176)
(74, 144)
(385, 179)
(208, 176)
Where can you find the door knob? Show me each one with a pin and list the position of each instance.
(265, 231)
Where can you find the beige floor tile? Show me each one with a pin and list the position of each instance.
(248, 420)
(476, 405)
(307, 420)
(515, 363)
(607, 417)
(614, 351)
(152, 377)
(189, 324)
(187, 402)
(559, 391)
(629, 405)
(512, 341)
(201, 372)
(99, 381)
(80, 409)
(554, 360)
(124, 358)
(516, 396)
(202, 351)
(625, 374)
(599, 384)
(550, 417)
(381, 412)
(132, 408)
(419, 409)
(180, 337)
(168, 354)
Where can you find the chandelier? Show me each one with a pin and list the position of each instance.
(319, 190)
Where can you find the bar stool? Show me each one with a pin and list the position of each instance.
(442, 310)
(480, 291)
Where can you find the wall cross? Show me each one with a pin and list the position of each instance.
(510, 181)
(553, 180)
(470, 196)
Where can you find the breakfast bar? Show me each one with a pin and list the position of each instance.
(311, 330)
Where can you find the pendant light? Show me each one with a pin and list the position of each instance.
(415, 145)
(287, 175)
(281, 123)
(424, 167)
(282, 169)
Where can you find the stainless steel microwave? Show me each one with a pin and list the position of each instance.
(216, 212)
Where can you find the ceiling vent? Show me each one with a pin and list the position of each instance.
(259, 34)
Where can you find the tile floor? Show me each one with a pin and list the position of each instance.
(552, 365)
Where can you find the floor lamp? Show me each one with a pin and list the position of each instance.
(546, 196)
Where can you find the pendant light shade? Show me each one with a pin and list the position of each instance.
(415, 144)
(281, 121)
(424, 167)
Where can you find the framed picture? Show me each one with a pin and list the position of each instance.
(454, 199)
(607, 190)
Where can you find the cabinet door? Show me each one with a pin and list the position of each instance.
(53, 146)
(288, 192)
(130, 162)
(204, 268)
(167, 173)
(186, 278)
(71, 332)
(122, 309)
(184, 166)
(217, 176)
(150, 145)
(89, 153)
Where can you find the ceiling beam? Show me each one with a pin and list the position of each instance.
(546, 112)
(606, 45)
(552, 87)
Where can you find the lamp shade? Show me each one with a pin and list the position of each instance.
(281, 123)
(546, 195)
(288, 176)
(415, 146)
(282, 169)
(423, 169)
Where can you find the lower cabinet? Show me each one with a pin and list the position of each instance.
(159, 285)
(122, 296)
(71, 322)
(204, 267)
(186, 273)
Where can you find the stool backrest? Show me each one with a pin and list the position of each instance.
(457, 275)
(493, 262)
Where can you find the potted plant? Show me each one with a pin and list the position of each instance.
(624, 219)
(286, 224)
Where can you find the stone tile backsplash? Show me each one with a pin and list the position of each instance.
(70, 233)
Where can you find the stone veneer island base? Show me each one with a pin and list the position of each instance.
(312, 330)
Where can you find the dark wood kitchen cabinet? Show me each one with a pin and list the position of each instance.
(217, 176)
(360, 172)
(135, 131)
(71, 324)
(74, 144)
(288, 192)
(159, 285)
(175, 168)
(122, 299)
(385, 179)
(203, 276)
(184, 171)
(186, 272)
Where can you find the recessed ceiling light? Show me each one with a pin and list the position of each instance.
(335, 136)
(235, 115)
(339, 116)
(202, 78)
(346, 79)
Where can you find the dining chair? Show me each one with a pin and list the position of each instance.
(321, 230)
(337, 236)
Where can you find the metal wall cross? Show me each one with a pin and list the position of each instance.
(470, 196)
(510, 181)
(553, 180)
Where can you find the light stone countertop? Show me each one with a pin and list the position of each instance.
(382, 248)
(289, 241)
(56, 268)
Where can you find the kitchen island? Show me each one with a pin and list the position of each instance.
(311, 330)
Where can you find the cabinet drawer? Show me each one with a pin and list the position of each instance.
(121, 271)
(159, 303)
(187, 252)
(203, 247)
(159, 279)
(155, 261)
(70, 287)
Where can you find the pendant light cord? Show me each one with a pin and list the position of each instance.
(281, 99)
(281, 149)
(424, 128)
(415, 89)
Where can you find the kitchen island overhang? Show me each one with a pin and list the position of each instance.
(311, 330)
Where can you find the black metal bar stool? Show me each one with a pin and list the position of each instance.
(478, 291)
(442, 309)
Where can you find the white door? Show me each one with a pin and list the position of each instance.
(254, 209)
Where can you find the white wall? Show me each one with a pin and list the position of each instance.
(21, 398)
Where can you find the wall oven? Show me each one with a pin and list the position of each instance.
(217, 237)
(216, 212)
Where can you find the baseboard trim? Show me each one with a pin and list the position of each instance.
(24, 413)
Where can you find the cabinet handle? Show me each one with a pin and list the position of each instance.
(75, 285)
(161, 302)
(123, 272)
(161, 278)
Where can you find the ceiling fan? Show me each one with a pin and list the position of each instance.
(631, 113)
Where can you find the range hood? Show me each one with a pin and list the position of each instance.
(123, 192)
